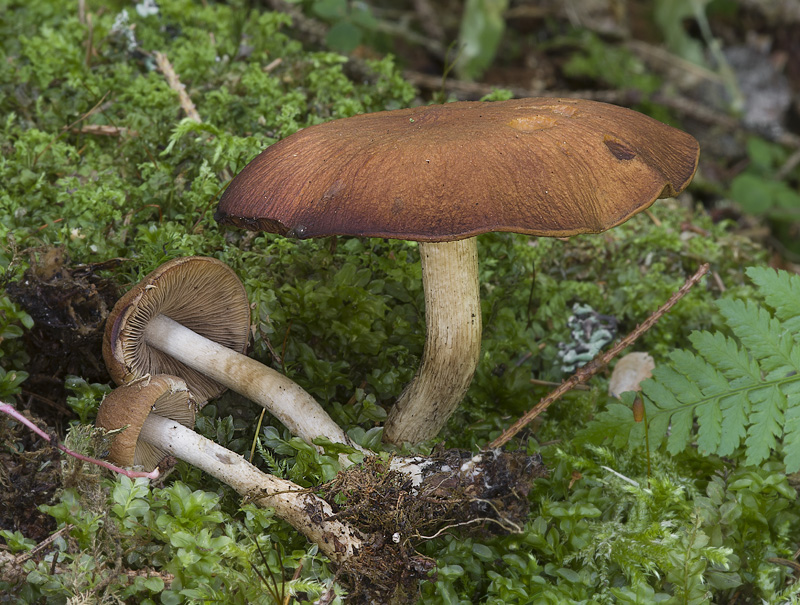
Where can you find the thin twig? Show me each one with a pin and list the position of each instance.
(790, 164)
(597, 364)
(462, 524)
(189, 109)
(794, 565)
(43, 544)
(272, 65)
(89, 41)
(313, 32)
(105, 130)
(398, 30)
(652, 217)
(175, 84)
(255, 437)
(548, 383)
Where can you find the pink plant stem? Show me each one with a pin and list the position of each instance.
(11, 411)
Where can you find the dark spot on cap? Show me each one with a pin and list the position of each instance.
(619, 149)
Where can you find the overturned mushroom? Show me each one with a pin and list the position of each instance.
(441, 175)
(158, 414)
(190, 317)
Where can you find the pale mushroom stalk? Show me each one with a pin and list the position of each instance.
(156, 414)
(304, 511)
(294, 407)
(190, 318)
(452, 345)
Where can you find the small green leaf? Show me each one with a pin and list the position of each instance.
(343, 37)
(482, 27)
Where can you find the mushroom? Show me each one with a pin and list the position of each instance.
(441, 175)
(190, 317)
(157, 414)
(130, 406)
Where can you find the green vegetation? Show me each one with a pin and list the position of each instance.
(742, 389)
(98, 161)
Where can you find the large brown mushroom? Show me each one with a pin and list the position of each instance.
(442, 174)
(157, 415)
(190, 317)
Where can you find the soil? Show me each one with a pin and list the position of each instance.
(69, 305)
(30, 475)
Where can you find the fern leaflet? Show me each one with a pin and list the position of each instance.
(783, 297)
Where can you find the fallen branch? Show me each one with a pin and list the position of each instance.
(583, 374)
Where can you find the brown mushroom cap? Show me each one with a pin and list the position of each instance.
(539, 166)
(130, 404)
(201, 293)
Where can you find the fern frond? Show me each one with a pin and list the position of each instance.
(742, 390)
(737, 389)
(791, 428)
(708, 383)
(766, 422)
(728, 378)
(275, 468)
(616, 423)
(732, 361)
(660, 405)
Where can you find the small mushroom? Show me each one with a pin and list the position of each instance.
(157, 414)
(190, 317)
(629, 373)
(165, 396)
(441, 175)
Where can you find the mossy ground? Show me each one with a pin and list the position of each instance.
(103, 179)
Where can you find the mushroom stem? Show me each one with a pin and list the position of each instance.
(452, 345)
(296, 409)
(297, 506)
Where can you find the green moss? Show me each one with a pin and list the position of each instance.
(344, 318)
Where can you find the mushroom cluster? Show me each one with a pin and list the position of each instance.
(190, 317)
(176, 339)
(438, 175)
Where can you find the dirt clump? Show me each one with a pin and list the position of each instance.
(453, 490)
